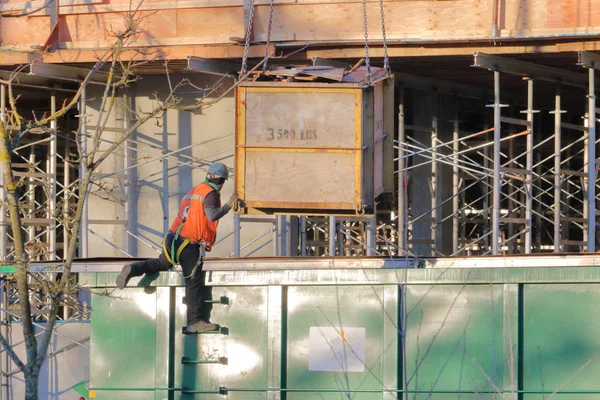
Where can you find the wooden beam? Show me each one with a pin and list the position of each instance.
(430, 50)
(153, 53)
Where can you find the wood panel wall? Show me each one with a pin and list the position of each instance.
(85, 24)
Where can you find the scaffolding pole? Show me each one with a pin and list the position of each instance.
(84, 226)
(590, 165)
(66, 199)
(497, 178)
(371, 236)
(455, 188)
(402, 181)
(435, 181)
(332, 233)
(303, 244)
(529, 169)
(31, 204)
(52, 178)
(557, 168)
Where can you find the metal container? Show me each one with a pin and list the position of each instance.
(313, 147)
(354, 328)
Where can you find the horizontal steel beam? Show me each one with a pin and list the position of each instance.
(25, 81)
(66, 73)
(213, 67)
(529, 70)
(588, 60)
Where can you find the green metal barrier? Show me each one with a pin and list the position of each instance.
(484, 333)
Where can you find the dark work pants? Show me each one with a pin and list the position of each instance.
(195, 291)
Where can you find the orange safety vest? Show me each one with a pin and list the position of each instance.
(196, 226)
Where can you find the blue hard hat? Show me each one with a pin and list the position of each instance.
(219, 169)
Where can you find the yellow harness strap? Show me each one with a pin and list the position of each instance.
(179, 250)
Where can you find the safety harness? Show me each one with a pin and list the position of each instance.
(172, 256)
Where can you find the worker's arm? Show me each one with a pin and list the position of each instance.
(212, 206)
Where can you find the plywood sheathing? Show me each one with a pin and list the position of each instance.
(166, 28)
(169, 24)
(573, 13)
(17, 31)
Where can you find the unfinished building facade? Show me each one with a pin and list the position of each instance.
(489, 129)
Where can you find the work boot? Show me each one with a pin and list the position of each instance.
(202, 326)
(124, 277)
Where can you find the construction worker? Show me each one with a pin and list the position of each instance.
(193, 232)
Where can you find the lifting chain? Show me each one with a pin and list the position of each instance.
(268, 36)
(247, 43)
(367, 59)
(386, 61)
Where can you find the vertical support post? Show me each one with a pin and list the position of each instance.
(557, 183)
(485, 187)
(511, 203)
(293, 248)
(52, 173)
(66, 199)
(529, 168)
(372, 236)
(275, 236)
(590, 166)
(341, 237)
(332, 233)
(236, 235)
(566, 204)
(584, 181)
(455, 188)
(303, 243)
(83, 234)
(402, 184)
(3, 221)
(435, 212)
(31, 202)
(497, 182)
(283, 236)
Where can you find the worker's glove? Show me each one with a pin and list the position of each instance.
(232, 199)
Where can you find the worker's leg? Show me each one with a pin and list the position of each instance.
(194, 283)
(206, 295)
(150, 266)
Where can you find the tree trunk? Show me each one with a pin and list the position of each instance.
(31, 382)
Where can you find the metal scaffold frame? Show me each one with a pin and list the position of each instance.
(503, 160)
(524, 186)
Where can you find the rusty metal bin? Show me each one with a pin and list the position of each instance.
(312, 147)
